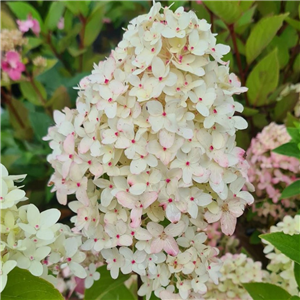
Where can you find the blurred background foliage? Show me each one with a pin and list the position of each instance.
(263, 35)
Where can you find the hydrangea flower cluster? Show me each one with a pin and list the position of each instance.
(282, 267)
(150, 154)
(236, 270)
(271, 172)
(35, 241)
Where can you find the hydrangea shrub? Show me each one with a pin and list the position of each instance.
(150, 154)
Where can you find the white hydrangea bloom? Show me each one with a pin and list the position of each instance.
(152, 140)
(282, 267)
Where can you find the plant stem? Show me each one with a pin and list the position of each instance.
(6, 100)
(238, 58)
(139, 284)
(57, 55)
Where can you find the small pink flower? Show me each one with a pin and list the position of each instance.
(30, 23)
(61, 24)
(106, 20)
(12, 65)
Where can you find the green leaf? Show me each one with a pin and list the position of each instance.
(105, 285)
(263, 79)
(262, 34)
(294, 23)
(50, 63)
(266, 291)
(65, 42)
(78, 7)
(292, 190)
(121, 293)
(245, 19)
(21, 285)
(54, 14)
(248, 111)
(268, 7)
(33, 94)
(296, 65)
(254, 238)
(294, 134)
(60, 99)
(285, 105)
(40, 123)
(228, 11)
(287, 244)
(282, 48)
(297, 273)
(294, 298)
(288, 149)
(7, 22)
(23, 9)
(93, 26)
(76, 52)
(33, 42)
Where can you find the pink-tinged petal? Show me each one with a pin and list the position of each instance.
(138, 166)
(136, 217)
(14, 74)
(157, 245)
(236, 207)
(61, 197)
(66, 168)
(126, 199)
(36, 27)
(20, 67)
(96, 169)
(166, 138)
(12, 57)
(148, 198)
(173, 213)
(69, 144)
(155, 229)
(228, 223)
(82, 196)
(138, 188)
(85, 145)
(212, 218)
(170, 246)
(175, 229)
(5, 66)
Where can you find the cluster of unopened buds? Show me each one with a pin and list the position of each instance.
(280, 266)
(150, 154)
(271, 172)
(35, 241)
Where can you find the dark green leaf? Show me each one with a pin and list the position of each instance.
(297, 273)
(266, 291)
(54, 14)
(33, 42)
(93, 26)
(23, 9)
(121, 293)
(104, 285)
(294, 298)
(248, 111)
(254, 238)
(293, 23)
(263, 79)
(296, 65)
(292, 190)
(33, 93)
(287, 244)
(288, 149)
(285, 105)
(262, 34)
(268, 7)
(40, 123)
(21, 285)
(60, 99)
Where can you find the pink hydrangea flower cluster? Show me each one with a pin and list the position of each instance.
(12, 65)
(236, 270)
(150, 154)
(271, 172)
(29, 23)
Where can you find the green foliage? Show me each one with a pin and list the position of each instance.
(287, 244)
(107, 288)
(21, 285)
(261, 35)
(56, 11)
(266, 291)
(263, 79)
(297, 273)
(292, 190)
